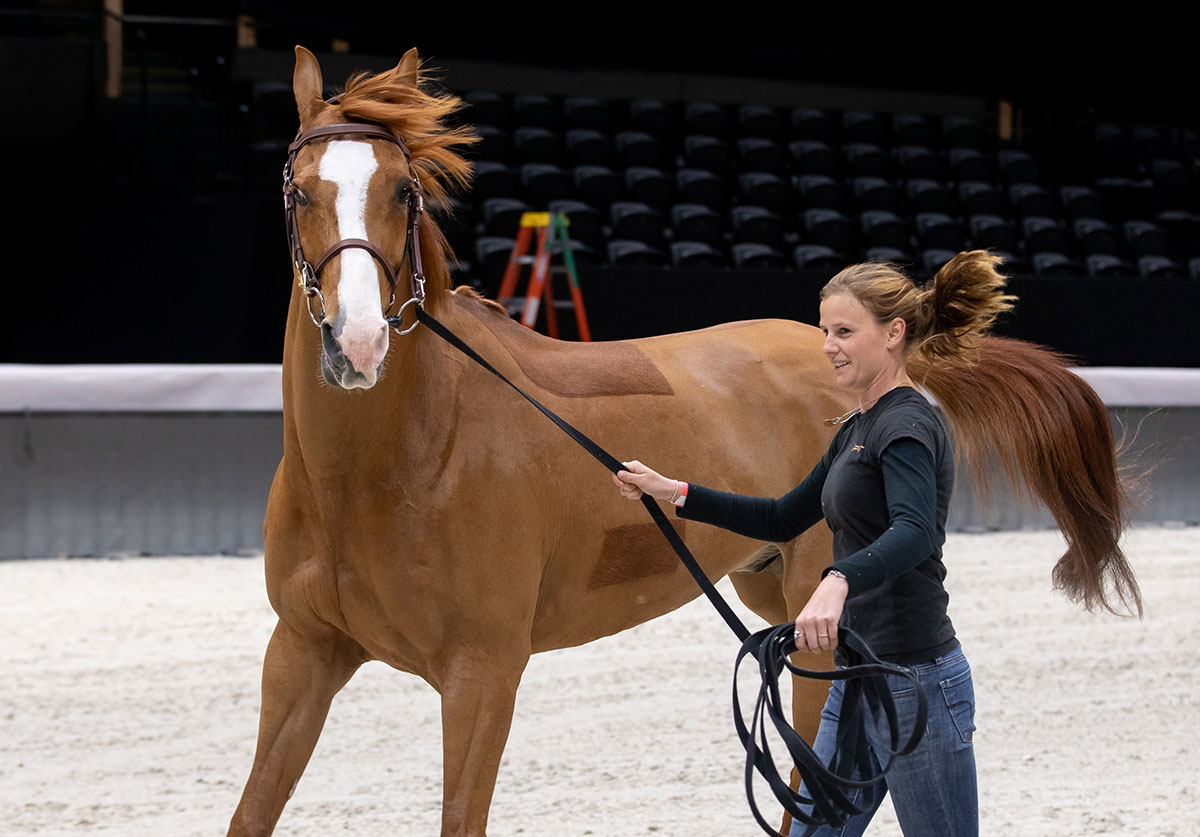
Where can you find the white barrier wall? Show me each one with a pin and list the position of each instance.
(178, 459)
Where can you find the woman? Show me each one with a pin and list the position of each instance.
(883, 487)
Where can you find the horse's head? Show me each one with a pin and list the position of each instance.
(354, 188)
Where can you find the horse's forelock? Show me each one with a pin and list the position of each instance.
(418, 116)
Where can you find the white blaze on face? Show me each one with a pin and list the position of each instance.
(349, 165)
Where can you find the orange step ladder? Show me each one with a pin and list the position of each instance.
(551, 229)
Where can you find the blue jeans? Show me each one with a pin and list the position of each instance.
(933, 788)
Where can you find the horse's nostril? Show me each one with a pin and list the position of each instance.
(329, 342)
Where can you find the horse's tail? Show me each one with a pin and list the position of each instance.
(1021, 404)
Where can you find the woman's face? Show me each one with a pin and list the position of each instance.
(865, 353)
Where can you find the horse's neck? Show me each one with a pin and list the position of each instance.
(364, 435)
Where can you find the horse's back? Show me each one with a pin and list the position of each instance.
(774, 354)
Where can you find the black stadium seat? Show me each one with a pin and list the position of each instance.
(866, 126)
(921, 162)
(878, 193)
(638, 148)
(650, 185)
(1094, 235)
(502, 216)
(587, 112)
(937, 230)
(708, 118)
(931, 196)
(758, 225)
(885, 229)
(487, 107)
(589, 147)
(759, 154)
(703, 151)
(813, 157)
(537, 110)
(761, 122)
(598, 186)
(913, 129)
(653, 117)
(1056, 264)
(814, 124)
(1046, 235)
(991, 232)
(831, 228)
(637, 221)
(818, 258)
(495, 180)
(816, 191)
(699, 186)
(584, 223)
(534, 144)
(692, 254)
(765, 189)
(697, 222)
(756, 256)
(543, 182)
(627, 253)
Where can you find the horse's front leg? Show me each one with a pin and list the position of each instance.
(301, 674)
(479, 690)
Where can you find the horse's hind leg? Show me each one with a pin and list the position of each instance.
(301, 674)
(479, 693)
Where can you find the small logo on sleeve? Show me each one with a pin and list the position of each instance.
(856, 448)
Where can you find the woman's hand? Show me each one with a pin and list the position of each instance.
(817, 624)
(637, 479)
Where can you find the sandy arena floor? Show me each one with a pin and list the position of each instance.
(130, 690)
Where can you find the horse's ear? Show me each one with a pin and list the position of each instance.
(307, 86)
(406, 70)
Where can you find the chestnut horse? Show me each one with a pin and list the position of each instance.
(425, 516)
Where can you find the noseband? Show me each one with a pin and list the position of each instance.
(310, 274)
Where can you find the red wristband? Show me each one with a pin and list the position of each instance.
(683, 489)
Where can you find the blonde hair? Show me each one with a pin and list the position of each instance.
(944, 318)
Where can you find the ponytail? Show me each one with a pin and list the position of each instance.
(959, 306)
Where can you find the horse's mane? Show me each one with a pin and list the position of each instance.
(468, 293)
(417, 114)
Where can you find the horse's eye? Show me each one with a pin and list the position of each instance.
(301, 196)
(403, 191)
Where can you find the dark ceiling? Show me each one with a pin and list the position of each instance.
(1122, 64)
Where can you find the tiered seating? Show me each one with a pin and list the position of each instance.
(698, 183)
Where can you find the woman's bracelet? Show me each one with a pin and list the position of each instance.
(680, 495)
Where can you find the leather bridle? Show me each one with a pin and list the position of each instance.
(310, 273)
